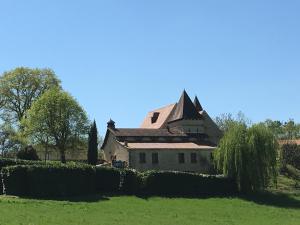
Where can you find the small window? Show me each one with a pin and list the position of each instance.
(181, 158)
(142, 157)
(154, 158)
(154, 117)
(193, 158)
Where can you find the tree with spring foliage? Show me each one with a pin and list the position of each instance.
(249, 156)
(58, 118)
(93, 145)
(20, 87)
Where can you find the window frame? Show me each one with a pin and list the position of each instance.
(142, 158)
(181, 158)
(155, 159)
(194, 158)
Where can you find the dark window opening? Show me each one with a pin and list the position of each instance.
(193, 158)
(142, 157)
(181, 158)
(155, 116)
(154, 158)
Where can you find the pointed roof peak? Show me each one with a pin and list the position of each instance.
(197, 104)
(185, 109)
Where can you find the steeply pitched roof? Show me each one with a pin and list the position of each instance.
(185, 109)
(163, 115)
(197, 104)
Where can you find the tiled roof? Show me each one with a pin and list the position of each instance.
(197, 104)
(163, 115)
(139, 132)
(185, 109)
(171, 146)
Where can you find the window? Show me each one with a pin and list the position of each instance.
(193, 158)
(154, 158)
(154, 117)
(181, 158)
(142, 157)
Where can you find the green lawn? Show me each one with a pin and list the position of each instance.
(158, 211)
(281, 206)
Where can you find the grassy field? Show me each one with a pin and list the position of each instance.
(280, 206)
(259, 209)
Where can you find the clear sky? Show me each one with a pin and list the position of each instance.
(121, 59)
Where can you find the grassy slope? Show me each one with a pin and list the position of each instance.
(133, 210)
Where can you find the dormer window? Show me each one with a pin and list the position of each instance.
(154, 117)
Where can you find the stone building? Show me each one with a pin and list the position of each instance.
(178, 137)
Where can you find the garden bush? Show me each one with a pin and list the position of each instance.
(131, 181)
(187, 184)
(28, 153)
(49, 180)
(14, 180)
(107, 180)
(290, 154)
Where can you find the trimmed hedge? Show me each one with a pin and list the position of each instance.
(187, 184)
(14, 180)
(13, 162)
(48, 181)
(107, 180)
(59, 180)
(131, 181)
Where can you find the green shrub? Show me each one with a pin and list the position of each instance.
(290, 154)
(187, 184)
(131, 182)
(107, 180)
(14, 180)
(28, 153)
(60, 181)
(49, 180)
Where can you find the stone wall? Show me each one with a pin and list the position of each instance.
(169, 160)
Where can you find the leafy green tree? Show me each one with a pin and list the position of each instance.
(20, 87)
(58, 118)
(225, 120)
(248, 155)
(93, 145)
(8, 140)
(291, 129)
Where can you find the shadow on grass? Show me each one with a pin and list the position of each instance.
(280, 200)
(273, 199)
(76, 199)
(264, 198)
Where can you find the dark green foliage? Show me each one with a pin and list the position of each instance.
(49, 180)
(187, 184)
(107, 180)
(14, 180)
(131, 182)
(64, 180)
(290, 154)
(60, 181)
(93, 145)
(28, 153)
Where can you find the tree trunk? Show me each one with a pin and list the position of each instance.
(63, 156)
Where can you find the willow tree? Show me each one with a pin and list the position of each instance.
(58, 118)
(249, 156)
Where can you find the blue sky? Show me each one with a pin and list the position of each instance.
(121, 59)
